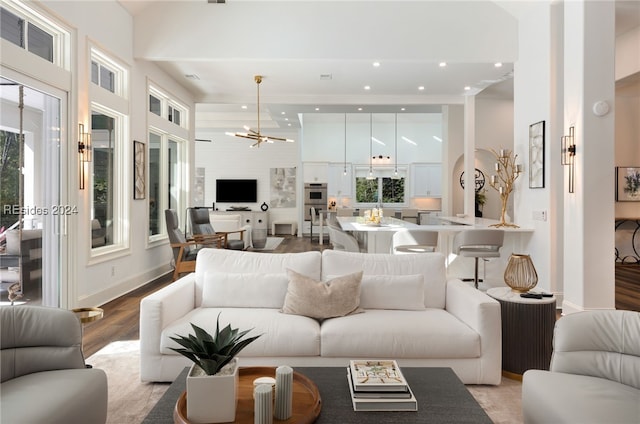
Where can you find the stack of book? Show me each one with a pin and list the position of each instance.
(379, 386)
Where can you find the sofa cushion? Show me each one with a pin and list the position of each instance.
(337, 297)
(432, 333)
(224, 260)
(244, 290)
(405, 292)
(556, 397)
(431, 265)
(282, 334)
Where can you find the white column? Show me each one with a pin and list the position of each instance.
(589, 48)
(469, 155)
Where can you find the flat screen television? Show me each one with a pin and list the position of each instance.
(236, 191)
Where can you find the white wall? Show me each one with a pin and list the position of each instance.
(231, 158)
(96, 281)
(533, 96)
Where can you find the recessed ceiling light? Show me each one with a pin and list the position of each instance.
(402, 108)
(286, 119)
(359, 108)
(442, 64)
(243, 106)
(283, 113)
(289, 124)
(367, 87)
(421, 88)
(317, 108)
(467, 88)
(376, 64)
(498, 64)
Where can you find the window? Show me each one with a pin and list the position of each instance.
(31, 31)
(105, 151)
(108, 74)
(382, 188)
(155, 105)
(166, 174)
(162, 105)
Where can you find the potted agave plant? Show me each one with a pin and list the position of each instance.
(212, 382)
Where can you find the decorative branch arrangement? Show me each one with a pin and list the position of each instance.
(507, 171)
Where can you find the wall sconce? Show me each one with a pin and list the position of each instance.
(84, 151)
(568, 155)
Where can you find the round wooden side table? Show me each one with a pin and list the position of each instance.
(527, 331)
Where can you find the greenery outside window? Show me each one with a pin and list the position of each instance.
(382, 189)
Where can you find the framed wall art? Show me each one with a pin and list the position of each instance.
(628, 184)
(139, 170)
(536, 155)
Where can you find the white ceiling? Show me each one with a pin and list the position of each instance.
(293, 43)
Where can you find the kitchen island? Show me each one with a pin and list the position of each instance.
(377, 239)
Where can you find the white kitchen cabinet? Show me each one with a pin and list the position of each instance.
(338, 183)
(315, 172)
(426, 180)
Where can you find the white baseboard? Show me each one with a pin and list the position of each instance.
(124, 287)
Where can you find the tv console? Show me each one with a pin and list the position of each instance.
(258, 221)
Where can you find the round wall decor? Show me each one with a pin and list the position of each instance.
(478, 177)
(264, 206)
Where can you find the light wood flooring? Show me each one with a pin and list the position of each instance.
(121, 316)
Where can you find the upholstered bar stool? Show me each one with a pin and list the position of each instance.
(413, 241)
(478, 244)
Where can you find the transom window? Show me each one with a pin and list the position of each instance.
(108, 74)
(26, 28)
(162, 105)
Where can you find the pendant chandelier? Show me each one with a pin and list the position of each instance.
(256, 135)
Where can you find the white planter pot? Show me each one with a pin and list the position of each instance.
(212, 398)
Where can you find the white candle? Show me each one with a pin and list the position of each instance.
(263, 404)
(494, 178)
(284, 392)
(501, 190)
(497, 166)
(502, 153)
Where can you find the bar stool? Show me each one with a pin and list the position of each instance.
(413, 241)
(478, 244)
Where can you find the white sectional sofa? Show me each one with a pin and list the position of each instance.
(411, 313)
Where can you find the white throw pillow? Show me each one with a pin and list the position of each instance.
(401, 292)
(244, 290)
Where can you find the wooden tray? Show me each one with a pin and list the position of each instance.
(306, 398)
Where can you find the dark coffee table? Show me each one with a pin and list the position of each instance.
(442, 398)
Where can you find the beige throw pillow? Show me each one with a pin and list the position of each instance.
(317, 299)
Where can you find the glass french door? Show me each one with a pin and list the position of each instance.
(32, 214)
